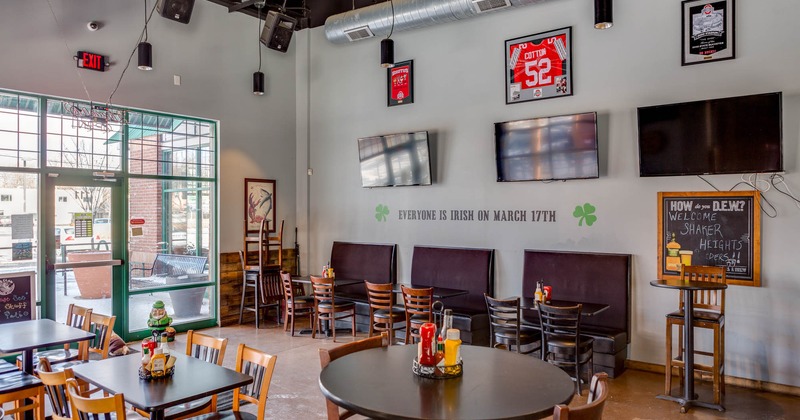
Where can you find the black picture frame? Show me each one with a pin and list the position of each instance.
(539, 66)
(708, 31)
(400, 83)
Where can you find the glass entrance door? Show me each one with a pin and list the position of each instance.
(84, 264)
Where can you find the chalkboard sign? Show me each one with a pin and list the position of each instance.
(710, 228)
(16, 297)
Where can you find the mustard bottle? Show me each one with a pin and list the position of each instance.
(452, 347)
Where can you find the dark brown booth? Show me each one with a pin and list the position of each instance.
(470, 269)
(362, 261)
(591, 278)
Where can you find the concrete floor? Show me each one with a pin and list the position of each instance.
(295, 394)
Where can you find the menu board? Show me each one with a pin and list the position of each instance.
(710, 228)
(16, 297)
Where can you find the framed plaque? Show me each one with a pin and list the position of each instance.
(400, 83)
(708, 31)
(539, 66)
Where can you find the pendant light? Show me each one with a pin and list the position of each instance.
(145, 49)
(258, 77)
(387, 45)
(603, 14)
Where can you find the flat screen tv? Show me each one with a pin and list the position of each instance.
(394, 160)
(548, 148)
(716, 136)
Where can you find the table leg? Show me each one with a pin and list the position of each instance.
(27, 367)
(157, 415)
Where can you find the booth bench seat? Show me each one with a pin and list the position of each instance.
(592, 278)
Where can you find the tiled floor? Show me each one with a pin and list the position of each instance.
(294, 393)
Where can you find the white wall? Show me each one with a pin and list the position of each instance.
(459, 85)
(216, 55)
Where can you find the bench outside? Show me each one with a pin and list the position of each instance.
(175, 266)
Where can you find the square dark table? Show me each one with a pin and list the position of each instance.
(26, 336)
(438, 292)
(336, 281)
(587, 309)
(193, 379)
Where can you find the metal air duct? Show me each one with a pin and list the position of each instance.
(375, 20)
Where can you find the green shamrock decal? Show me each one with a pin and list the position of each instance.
(381, 212)
(585, 213)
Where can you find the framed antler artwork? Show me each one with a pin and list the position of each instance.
(260, 203)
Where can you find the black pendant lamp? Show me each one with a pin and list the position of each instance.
(145, 56)
(258, 77)
(145, 49)
(387, 53)
(387, 45)
(603, 14)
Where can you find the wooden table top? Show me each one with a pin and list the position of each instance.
(496, 384)
(588, 309)
(193, 379)
(37, 333)
(688, 285)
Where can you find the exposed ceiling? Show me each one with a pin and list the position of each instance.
(310, 13)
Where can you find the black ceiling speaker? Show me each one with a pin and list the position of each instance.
(177, 10)
(278, 29)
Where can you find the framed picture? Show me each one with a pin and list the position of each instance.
(539, 66)
(259, 195)
(708, 31)
(400, 83)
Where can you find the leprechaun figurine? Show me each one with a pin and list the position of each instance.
(159, 320)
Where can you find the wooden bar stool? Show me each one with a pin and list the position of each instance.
(709, 312)
(263, 277)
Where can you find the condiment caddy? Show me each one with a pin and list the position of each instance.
(156, 360)
(439, 349)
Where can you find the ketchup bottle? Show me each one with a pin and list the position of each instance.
(427, 356)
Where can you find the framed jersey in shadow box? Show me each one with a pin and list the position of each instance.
(708, 31)
(539, 66)
(400, 83)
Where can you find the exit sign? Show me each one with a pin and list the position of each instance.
(91, 61)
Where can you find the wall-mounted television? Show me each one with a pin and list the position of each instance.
(716, 136)
(393, 160)
(548, 148)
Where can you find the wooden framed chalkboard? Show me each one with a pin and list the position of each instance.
(17, 297)
(710, 228)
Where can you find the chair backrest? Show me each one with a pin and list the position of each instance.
(79, 317)
(593, 409)
(260, 366)
(326, 356)
(205, 347)
(560, 322)
(103, 327)
(380, 296)
(323, 289)
(84, 408)
(288, 286)
(55, 386)
(267, 243)
(418, 301)
(504, 317)
(705, 300)
(271, 287)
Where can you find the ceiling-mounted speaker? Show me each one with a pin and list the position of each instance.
(177, 10)
(278, 29)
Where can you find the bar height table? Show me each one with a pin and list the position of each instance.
(688, 287)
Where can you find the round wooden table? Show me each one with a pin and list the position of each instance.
(687, 287)
(496, 384)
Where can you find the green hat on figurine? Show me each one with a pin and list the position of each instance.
(159, 304)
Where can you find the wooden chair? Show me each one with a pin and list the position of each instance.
(382, 315)
(709, 312)
(263, 276)
(418, 304)
(593, 409)
(326, 306)
(295, 305)
(94, 408)
(328, 355)
(260, 366)
(96, 349)
(25, 391)
(55, 387)
(505, 327)
(562, 344)
(77, 317)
